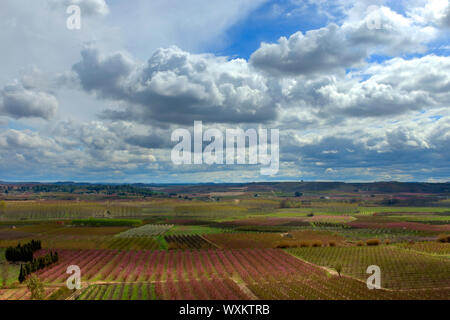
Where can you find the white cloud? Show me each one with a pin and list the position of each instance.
(177, 87)
(395, 87)
(18, 102)
(334, 48)
(432, 11)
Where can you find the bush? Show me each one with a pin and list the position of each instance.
(173, 246)
(310, 215)
(36, 288)
(387, 242)
(317, 243)
(444, 238)
(286, 245)
(360, 243)
(373, 242)
(304, 244)
(332, 243)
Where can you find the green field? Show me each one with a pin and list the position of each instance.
(400, 269)
(11, 270)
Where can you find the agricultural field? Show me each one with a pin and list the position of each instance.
(188, 242)
(436, 248)
(237, 245)
(402, 269)
(50, 210)
(243, 265)
(274, 240)
(147, 230)
(215, 289)
(189, 230)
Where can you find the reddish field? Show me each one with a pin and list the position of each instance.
(213, 274)
(14, 235)
(267, 221)
(249, 265)
(22, 293)
(401, 225)
(272, 240)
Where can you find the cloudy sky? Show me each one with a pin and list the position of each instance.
(360, 90)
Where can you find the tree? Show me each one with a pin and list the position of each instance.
(21, 274)
(338, 269)
(36, 287)
(298, 194)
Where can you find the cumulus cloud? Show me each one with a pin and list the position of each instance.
(395, 87)
(373, 150)
(178, 87)
(430, 74)
(74, 149)
(150, 141)
(320, 50)
(335, 48)
(18, 102)
(432, 11)
(104, 75)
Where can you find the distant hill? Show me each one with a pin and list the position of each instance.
(286, 187)
(375, 187)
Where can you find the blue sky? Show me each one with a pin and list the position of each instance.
(352, 102)
(269, 22)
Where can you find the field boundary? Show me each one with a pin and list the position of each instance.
(210, 242)
(245, 289)
(77, 293)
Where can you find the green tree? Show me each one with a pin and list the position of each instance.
(21, 274)
(338, 269)
(36, 287)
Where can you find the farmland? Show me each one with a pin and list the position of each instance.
(147, 230)
(188, 242)
(202, 244)
(180, 290)
(402, 269)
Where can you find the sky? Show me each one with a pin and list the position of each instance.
(359, 90)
